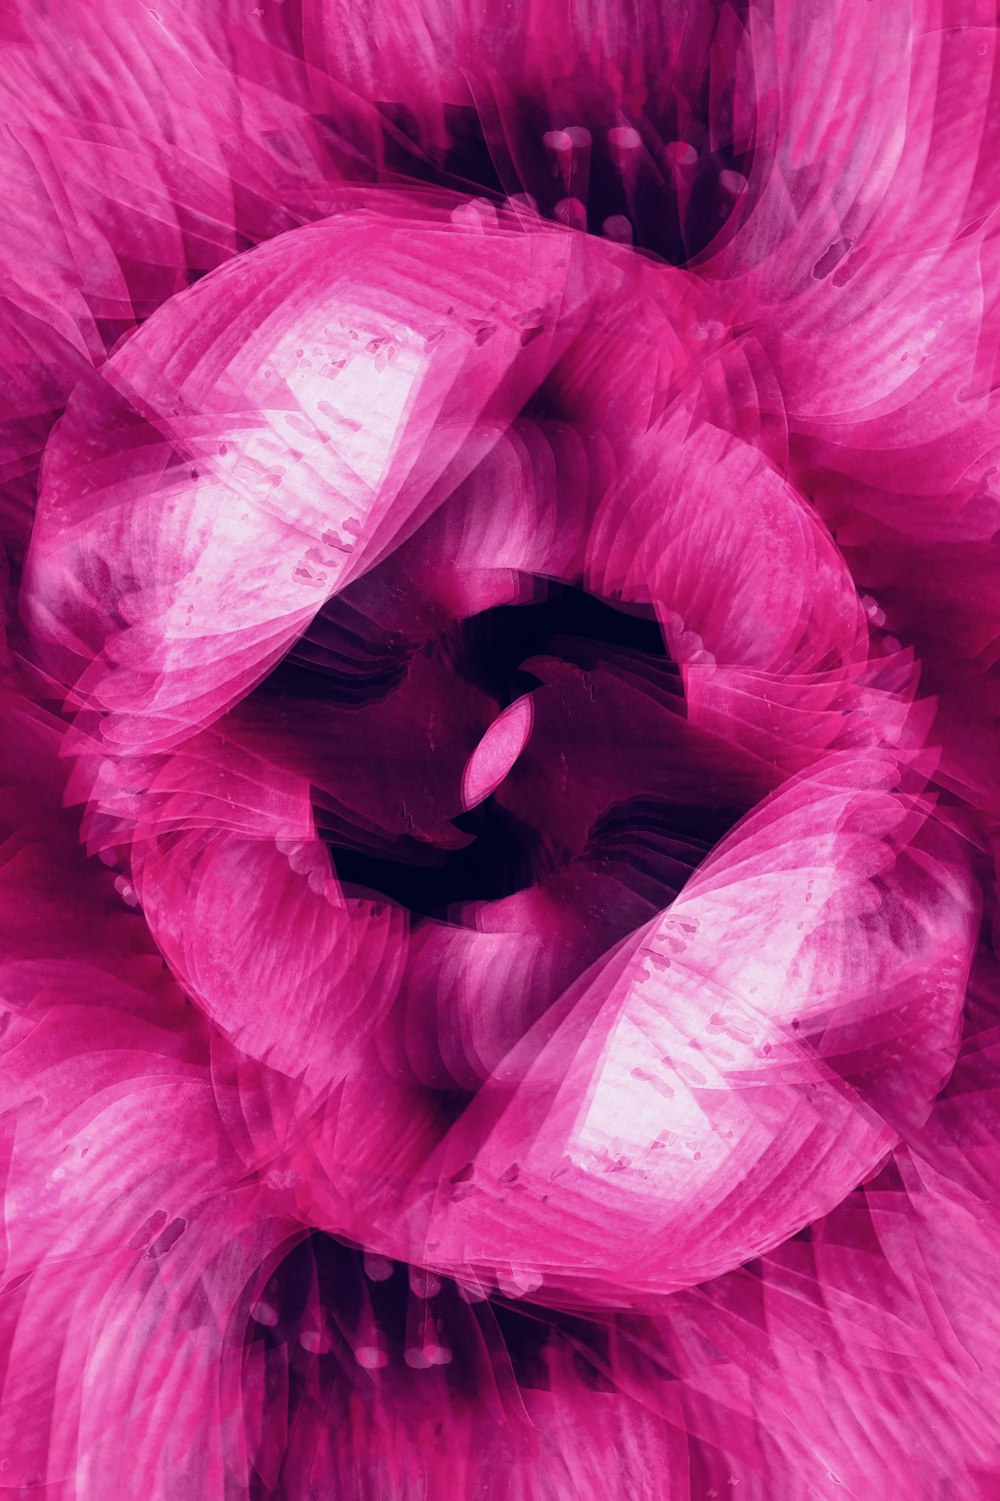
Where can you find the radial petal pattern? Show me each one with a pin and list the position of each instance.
(499, 791)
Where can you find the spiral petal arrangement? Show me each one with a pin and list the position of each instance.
(499, 793)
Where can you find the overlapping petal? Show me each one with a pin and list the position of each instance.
(498, 801)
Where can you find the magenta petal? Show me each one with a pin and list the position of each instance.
(125, 1371)
(711, 1056)
(294, 999)
(497, 752)
(235, 461)
(703, 526)
(498, 789)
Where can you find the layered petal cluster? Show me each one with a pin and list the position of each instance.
(498, 793)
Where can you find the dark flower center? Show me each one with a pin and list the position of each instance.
(608, 803)
(669, 186)
(343, 1319)
(492, 652)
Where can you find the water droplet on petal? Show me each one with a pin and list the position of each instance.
(732, 182)
(424, 1284)
(315, 1341)
(571, 212)
(377, 1268)
(619, 229)
(477, 216)
(623, 139)
(680, 154)
(371, 1357)
(559, 141)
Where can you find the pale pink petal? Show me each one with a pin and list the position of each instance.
(711, 1054)
(237, 440)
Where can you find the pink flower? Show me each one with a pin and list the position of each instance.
(499, 753)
